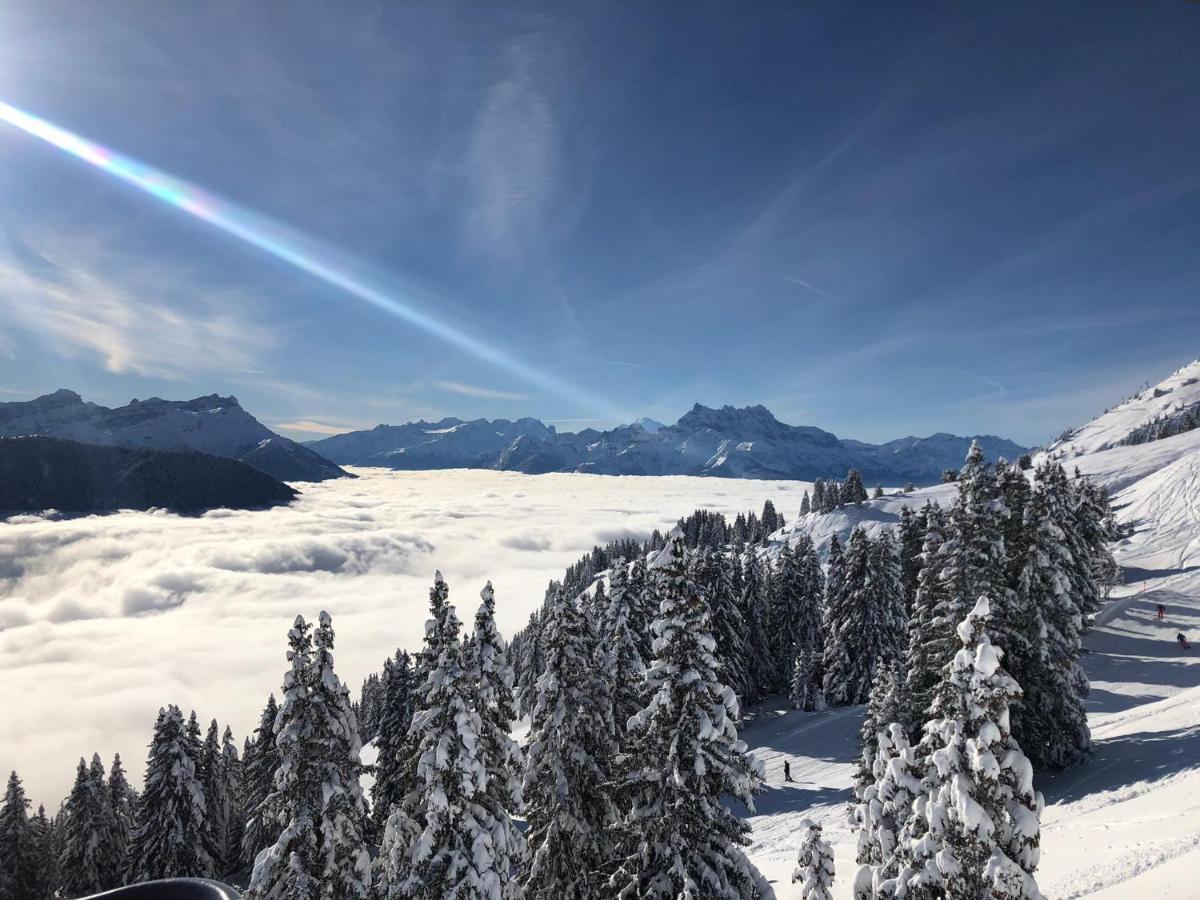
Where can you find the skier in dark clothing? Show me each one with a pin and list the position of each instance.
(1183, 641)
(1162, 612)
(787, 771)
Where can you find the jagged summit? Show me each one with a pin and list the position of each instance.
(728, 441)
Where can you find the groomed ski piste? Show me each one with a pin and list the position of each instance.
(1125, 824)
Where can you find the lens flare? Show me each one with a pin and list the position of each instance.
(291, 247)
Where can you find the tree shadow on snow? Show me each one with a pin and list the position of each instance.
(1124, 761)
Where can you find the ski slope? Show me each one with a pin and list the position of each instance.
(1126, 824)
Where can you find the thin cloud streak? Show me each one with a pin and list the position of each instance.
(473, 390)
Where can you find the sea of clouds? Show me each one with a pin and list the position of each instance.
(104, 619)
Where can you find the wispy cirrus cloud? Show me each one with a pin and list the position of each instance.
(474, 390)
(154, 321)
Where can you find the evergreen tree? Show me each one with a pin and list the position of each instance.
(883, 708)
(805, 688)
(232, 786)
(123, 803)
(532, 664)
(814, 864)
(620, 648)
(926, 625)
(805, 505)
(714, 579)
(886, 806)
(835, 656)
(680, 839)
(818, 496)
(795, 612)
(395, 718)
(980, 812)
(212, 780)
(436, 843)
(759, 665)
(19, 875)
(259, 762)
(168, 839)
(853, 490)
(291, 868)
(911, 538)
(1051, 719)
(342, 812)
(770, 519)
(833, 497)
(868, 621)
(500, 755)
(568, 765)
(44, 881)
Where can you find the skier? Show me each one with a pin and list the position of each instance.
(1162, 611)
(787, 766)
(1183, 641)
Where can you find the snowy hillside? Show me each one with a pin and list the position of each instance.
(210, 424)
(1123, 824)
(726, 442)
(1174, 396)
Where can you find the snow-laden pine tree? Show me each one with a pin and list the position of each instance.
(530, 665)
(714, 579)
(853, 490)
(804, 691)
(45, 865)
(836, 655)
(259, 764)
(235, 810)
(291, 867)
(1096, 528)
(883, 708)
(622, 661)
(342, 813)
(770, 519)
(18, 849)
(911, 538)
(922, 660)
(805, 505)
(395, 717)
(111, 842)
(760, 667)
(980, 813)
(216, 802)
(436, 843)
(814, 863)
(569, 758)
(643, 604)
(885, 807)
(1052, 721)
(168, 839)
(868, 619)
(123, 801)
(794, 614)
(499, 754)
(680, 840)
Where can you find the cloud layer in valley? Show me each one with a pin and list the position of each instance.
(104, 619)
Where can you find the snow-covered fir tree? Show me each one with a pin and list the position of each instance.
(569, 759)
(794, 614)
(216, 801)
(760, 667)
(291, 867)
(235, 810)
(123, 801)
(835, 655)
(1052, 722)
(19, 875)
(437, 841)
(980, 812)
(814, 863)
(500, 755)
(853, 490)
(395, 717)
(530, 665)
(805, 505)
(168, 839)
(346, 865)
(922, 662)
(911, 537)
(883, 708)
(679, 838)
(714, 579)
(804, 691)
(867, 618)
(885, 807)
(259, 763)
(621, 654)
(770, 519)
(45, 869)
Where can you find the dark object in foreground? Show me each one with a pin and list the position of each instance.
(172, 889)
(38, 473)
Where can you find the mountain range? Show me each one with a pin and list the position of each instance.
(728, 442)
(211, 424)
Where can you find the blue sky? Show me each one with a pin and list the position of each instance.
(882, 219)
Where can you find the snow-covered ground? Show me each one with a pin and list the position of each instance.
(1127, 823)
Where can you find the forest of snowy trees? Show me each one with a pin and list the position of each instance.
(960, 629)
